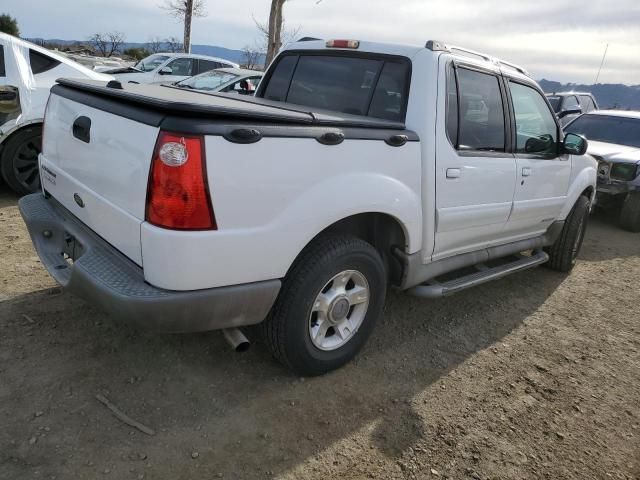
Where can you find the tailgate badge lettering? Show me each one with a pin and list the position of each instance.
(78, 200)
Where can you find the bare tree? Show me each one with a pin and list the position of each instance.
(183, 11)
(154, 45)
(116, 39)
(108, 43)
(251, 57)
(174, 44)
(286, 35)
(275, 29)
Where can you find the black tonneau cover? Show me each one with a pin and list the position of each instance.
(178, 101)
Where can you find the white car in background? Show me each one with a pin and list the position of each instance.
(225, 80)
(169, 68)
(27, 73)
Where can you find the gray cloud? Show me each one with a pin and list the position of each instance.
(556, 39)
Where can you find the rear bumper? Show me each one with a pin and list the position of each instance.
(102, 275)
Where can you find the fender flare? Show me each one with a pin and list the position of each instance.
(375, 193)
(583, 180)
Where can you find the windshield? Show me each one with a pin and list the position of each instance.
(151, 63)
(555, 102)
(608, 129)
(208, 80)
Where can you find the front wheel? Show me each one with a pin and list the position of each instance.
(630, 213)
(564, 253)
(329, 303)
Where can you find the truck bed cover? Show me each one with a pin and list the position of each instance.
(167, 99)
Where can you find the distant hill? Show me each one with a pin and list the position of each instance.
(608, 95)
(236, 56)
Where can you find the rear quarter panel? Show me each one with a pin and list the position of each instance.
(273, 197)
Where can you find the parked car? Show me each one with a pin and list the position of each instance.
(27, 72)
(569, 105)
(225, 80)
(352, 169)
(614, 141)
(169, 68)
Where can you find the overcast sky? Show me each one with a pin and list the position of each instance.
(555, 39)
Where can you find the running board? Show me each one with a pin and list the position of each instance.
(485, 274)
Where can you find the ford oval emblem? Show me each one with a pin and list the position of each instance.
(78, 200)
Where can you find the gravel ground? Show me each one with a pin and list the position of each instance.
(534, 376)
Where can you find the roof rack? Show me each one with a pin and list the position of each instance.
(436, 46)
(472, 52)
(515, 67)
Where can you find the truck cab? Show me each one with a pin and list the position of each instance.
(357, 166)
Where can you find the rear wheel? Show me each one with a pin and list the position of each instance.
(328, 305)
(564, 253)
(19, 160)
(630, 214)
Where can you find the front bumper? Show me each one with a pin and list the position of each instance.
(86, 265)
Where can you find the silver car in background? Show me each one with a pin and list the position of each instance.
(570, 105)
(169, 68)
(614, 141)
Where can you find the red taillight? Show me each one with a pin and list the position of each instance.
(343, 44)
(178, 194)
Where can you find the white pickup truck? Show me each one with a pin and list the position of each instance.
(356, 167)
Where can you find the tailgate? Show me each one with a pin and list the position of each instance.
(96, 164)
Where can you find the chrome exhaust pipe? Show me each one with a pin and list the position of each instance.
(236, 339)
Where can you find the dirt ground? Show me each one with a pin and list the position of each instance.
(535, 376)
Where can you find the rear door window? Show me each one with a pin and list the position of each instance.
(207, 65)
(41, 63)
(2, 70)
(481, 122)
(182, 67)
(375, 87)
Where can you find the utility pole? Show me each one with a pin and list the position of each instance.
(601, 64)
(188, 14)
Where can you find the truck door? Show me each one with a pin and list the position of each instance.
(543, 174)
(475, 173)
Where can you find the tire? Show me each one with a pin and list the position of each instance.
(314, 282)
(19, 160)
(630, 214)
(563, 253)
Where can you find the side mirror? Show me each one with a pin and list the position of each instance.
(540, 144)
(166, 71)
(570, 111)
(575, 144)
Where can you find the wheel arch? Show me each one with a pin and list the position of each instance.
(38, 122)
(381, 230)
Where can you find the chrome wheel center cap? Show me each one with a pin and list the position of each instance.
(339, 309)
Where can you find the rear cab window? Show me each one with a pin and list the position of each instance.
(357, 84)
(41, 63)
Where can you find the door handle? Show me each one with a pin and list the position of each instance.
(526, 172)
(453, 173)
